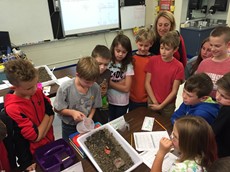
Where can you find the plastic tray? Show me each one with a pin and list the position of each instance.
(52, 76)
(55, 156)
(126, 146)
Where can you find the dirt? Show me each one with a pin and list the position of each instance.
(107, 152)
(43, 76)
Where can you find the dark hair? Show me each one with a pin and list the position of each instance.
(88, 68)
(221, 30)
(196, 140)
(220, 165)
(199, 58)
(171, 39)
(19, 71)
(125, 43)
(224, 83)
(101, 51)
(200, 83)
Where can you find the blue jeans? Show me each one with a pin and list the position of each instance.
(134, 105)
(116, 111)
(67, 130)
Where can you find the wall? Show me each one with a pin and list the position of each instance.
(66, 52)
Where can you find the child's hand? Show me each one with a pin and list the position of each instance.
(78, 116)
(165, 145)
(155, 106)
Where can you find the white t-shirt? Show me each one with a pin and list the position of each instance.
(116, 97)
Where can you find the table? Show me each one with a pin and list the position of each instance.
(59, 73)
(135, 119)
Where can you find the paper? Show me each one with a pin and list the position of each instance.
(149, 156)
(147, 124)
(74, 168)
(118, 123)
(61, 80)
(1, 99)
(148, 140)
(3, 86)
(46, 90)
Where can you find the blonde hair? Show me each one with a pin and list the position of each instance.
(168, 15)
(88, 68)
(145, 34)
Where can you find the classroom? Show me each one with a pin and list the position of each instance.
(56, 34)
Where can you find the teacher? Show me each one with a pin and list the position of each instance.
(164, 23)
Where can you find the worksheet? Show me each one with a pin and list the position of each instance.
(148, 140)
(149, 156)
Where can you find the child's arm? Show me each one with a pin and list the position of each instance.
(123, 86)
(42, 128)
(76, 115)
(165, 146)
(170, 97)
(149, 88)
(91, 114)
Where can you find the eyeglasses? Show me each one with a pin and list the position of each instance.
(173, 137)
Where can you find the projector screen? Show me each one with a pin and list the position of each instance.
(83, 16)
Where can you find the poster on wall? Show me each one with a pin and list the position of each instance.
(165, 5)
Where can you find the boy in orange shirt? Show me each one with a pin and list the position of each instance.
(138, 94)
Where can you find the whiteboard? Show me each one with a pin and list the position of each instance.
(27, 21)
(132, 16)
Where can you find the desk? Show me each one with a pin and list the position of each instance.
(135, 119)
(59, 73)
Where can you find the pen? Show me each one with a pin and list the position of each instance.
(160, 124)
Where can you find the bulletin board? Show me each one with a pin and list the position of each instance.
(27, 21)
(132, 16)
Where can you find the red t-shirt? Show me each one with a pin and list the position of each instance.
(163, 75)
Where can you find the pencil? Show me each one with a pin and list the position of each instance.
(131, 139)
(160, 124)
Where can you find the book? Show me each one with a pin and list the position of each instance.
(73, 141)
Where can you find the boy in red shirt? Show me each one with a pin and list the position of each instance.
(164, 74)
(29, 108)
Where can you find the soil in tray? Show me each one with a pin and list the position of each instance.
(43, 75)
(107, 152)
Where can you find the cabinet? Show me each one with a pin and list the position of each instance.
(193, 37)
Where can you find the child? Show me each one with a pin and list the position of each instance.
(164, 74)
(121, 76)
(194, 139)
(221, 125)
(193, 63)
(196, 99)
(29, 108)
(78, 97)
(103, 56)
(138, 94)
(217, 66)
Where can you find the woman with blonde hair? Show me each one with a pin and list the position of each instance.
(164, 23)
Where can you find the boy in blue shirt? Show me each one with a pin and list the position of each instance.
(196, 99)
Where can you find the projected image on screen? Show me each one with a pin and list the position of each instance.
(82, 16)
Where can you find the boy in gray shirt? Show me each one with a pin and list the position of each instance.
(78, 97)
